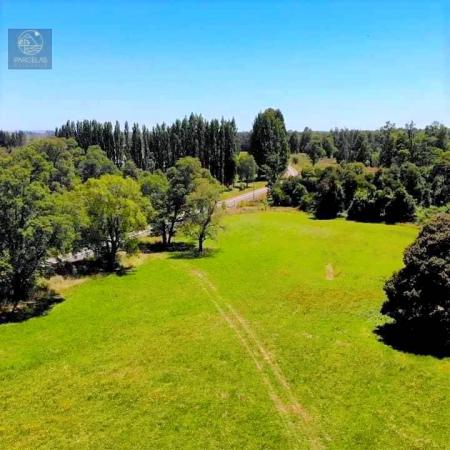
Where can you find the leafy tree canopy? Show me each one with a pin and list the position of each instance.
(419, 294)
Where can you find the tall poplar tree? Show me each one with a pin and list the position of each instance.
(269, 144)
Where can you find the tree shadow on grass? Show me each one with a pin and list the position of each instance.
(159, 247)
(87, 267)
(39, 304)
(418, 341)
(178, 250)
(195, 254)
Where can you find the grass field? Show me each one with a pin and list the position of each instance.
(267, 342)
(301, 160)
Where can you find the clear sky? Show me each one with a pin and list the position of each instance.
(324, 63)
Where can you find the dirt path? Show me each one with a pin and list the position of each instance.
(329, 272)
(296, 420)
(290, 172)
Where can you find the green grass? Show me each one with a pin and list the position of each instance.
(301, 160)
(235, 191)
(250, 347)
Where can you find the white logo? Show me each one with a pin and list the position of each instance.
(30, 42)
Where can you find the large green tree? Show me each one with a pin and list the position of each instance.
(419, 294)
(32, 224)
(202, 218)
(314, 150)
(246, 167)
(269, 144)
(95, 163)
(181, 183)
(115, 209)
(330, 196)
(155, 186)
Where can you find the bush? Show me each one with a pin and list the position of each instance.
(424, 215)
(330, 195)
(308, 202)
(400, 208)
(419, 294)
(246, 167)
(288, 192)
(366, 207)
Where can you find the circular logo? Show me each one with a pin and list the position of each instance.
(30, 42)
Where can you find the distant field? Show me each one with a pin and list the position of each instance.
(302, 160)
(236, 191)
(265, 343)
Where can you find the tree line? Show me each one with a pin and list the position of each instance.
(213, 142)
(378, 148)
(379, 176)
(57, 198)
(391, 194)
(12, 139)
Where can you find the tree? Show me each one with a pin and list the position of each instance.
(367, 206)
(361, 149)
(438, 134)
(440, 180)
(290, 192)
(115, 208)
(95, 164)
(60, 154)
(388, 149)
(130, 170)
(246, 167)
(202, 220)
(32, 226)
(118, 145)
(229, 145)
(330, 195)
(400, 208)
(269, 144)
(411, 131)
(352, 178)
(305, 139)
(328, 146)
(10, 140)
(314, 150)
(126, 140)
(155, 186)
(136, 146)
(419, 294)
(181, 183)
(413, 180)
(294, 142)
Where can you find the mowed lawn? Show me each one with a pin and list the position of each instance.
(268, 342)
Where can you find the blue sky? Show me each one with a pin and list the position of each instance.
(323, 63)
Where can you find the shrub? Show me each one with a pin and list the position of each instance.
(288, 192)
(330, 195)
(400, 208)
(366, 207)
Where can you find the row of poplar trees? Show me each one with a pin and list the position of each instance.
(213, 142)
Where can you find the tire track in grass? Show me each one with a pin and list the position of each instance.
(295, 418)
